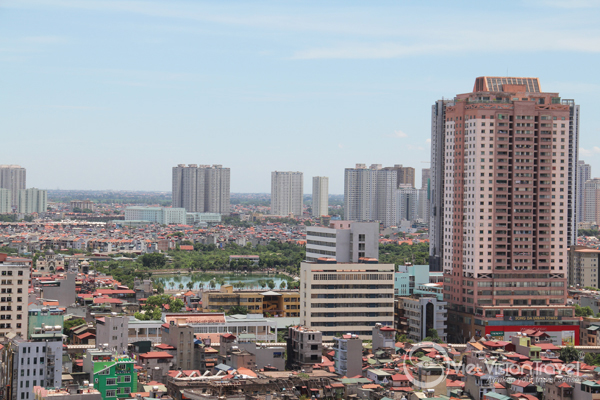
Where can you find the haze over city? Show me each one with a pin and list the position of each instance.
(113, 94)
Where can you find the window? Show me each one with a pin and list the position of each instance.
(111, 393)
(127, 379)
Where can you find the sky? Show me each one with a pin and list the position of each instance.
(111, 94)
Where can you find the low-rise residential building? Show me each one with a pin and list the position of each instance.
(32, 363)
(348, 355)
(112, 374)
(157, 364)
(181, 338)
(304, 347)
(384, 337)
(71, 392)
(114, 331)
(263, 329)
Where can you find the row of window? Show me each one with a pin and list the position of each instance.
(9, 273)
(352, 277)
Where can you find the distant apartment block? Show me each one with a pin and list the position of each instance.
(82, 205)
(584, 174)
(320, 196)
(159, 215)
(591, 197)
(404, 175)
(13, 178)
(345, 241)
(5, 201)
(202, 188)
(412, 204)
(33, 200)
(287, 191)
(346, 297)
(370, 194)
(425, 177)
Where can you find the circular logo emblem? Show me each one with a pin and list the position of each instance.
(432, 372)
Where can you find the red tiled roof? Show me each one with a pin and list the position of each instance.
(156, 354)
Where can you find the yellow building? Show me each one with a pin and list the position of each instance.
(282, 303)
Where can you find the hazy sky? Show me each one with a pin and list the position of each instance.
(102, 94)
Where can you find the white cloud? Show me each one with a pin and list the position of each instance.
(341, 146)
(398, 134)
(428, 141)
(588, 152)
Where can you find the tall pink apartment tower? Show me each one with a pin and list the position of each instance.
(504, 166)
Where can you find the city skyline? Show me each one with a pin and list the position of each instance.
(127, 86)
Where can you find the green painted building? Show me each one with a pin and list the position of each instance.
(113, 375)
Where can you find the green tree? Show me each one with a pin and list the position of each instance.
(583, 311)
(237, 310)
(212, 284)
(190, 285)
(153, 260)
(568, 354)
(271, 284)
(176, 305)
(282, 285)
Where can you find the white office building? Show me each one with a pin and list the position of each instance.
(203, 218)
(345, 241)
(347, 297)
(424, 312)
(287, 191)
(320, 196)
(159, 215)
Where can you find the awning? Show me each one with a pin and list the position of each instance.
(593, 328)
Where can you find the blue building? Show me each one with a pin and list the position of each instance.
(417, 279)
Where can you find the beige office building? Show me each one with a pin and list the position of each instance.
(346, 298)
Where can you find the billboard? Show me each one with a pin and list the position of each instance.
(560, 335)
